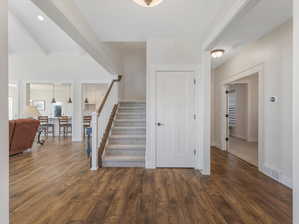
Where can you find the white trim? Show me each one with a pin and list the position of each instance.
(276, 175)
(295, 111)
(204, 94)
(94, 143)
(94, 168)
(150, 157)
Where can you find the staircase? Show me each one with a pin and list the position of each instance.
(126, 143)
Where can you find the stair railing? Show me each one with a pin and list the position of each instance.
(101, 121)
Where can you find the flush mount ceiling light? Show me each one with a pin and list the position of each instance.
(40, 18)
(217, 53)
(148, 3)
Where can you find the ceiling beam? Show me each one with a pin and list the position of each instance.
(28, 32)
(238, 9)
(69, 18)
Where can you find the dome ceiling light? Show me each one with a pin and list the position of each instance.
(148, 3)
(217, 53)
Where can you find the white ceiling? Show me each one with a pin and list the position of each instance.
(127, 45)
(251, 25)
(123, 24)
(28, 35)
(124, 20)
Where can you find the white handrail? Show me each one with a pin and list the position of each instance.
(99, 124)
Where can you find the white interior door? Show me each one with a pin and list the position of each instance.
(175, 123)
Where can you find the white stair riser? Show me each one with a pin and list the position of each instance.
(132, 104)
(131, 110)
(128, 131)
(126, 141)
(123, 164)
(126, 152)
(118, 123)
(130, 116)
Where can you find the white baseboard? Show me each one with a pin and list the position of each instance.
(76, 139)
(252, 140)
(240, 137)
(94, 168)
(277, 175)
(150, 165)
(217, 145)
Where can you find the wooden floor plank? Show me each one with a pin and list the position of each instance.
(53, 185)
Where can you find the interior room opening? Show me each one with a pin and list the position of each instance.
(242, 98)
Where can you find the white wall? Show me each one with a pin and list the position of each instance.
(253, 107)
(58, 68)
(133, 83)
(296, 114)
(94, 94)
(13, 93)
(4, 214)
(274, 52)
(172, 52)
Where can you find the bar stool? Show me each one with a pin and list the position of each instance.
(65, 127)
(45, 125)
(86, 123)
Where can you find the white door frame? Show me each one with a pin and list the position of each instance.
(250, 71)
(150, 156)
(295, 112)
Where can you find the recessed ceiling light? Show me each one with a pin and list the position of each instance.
(217, 53)
(148, 3)
(40, 18)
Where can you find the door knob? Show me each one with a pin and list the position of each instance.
(159, 124)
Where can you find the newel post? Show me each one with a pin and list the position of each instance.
(94, 144)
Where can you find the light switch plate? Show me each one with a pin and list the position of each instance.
(273, 99)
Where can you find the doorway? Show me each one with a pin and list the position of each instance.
(242, 118)
(175, 98)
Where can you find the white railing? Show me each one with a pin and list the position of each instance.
(100, 120)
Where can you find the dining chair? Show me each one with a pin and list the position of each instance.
(65, 127)
(46, 126)
(86, 123)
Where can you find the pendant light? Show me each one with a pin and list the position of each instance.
(85, 93)
(69, 90)
(53, 99)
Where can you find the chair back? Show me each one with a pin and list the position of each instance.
(44, 120)
(63, 120)
(87, 121)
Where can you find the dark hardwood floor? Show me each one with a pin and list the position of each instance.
(53, 185)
